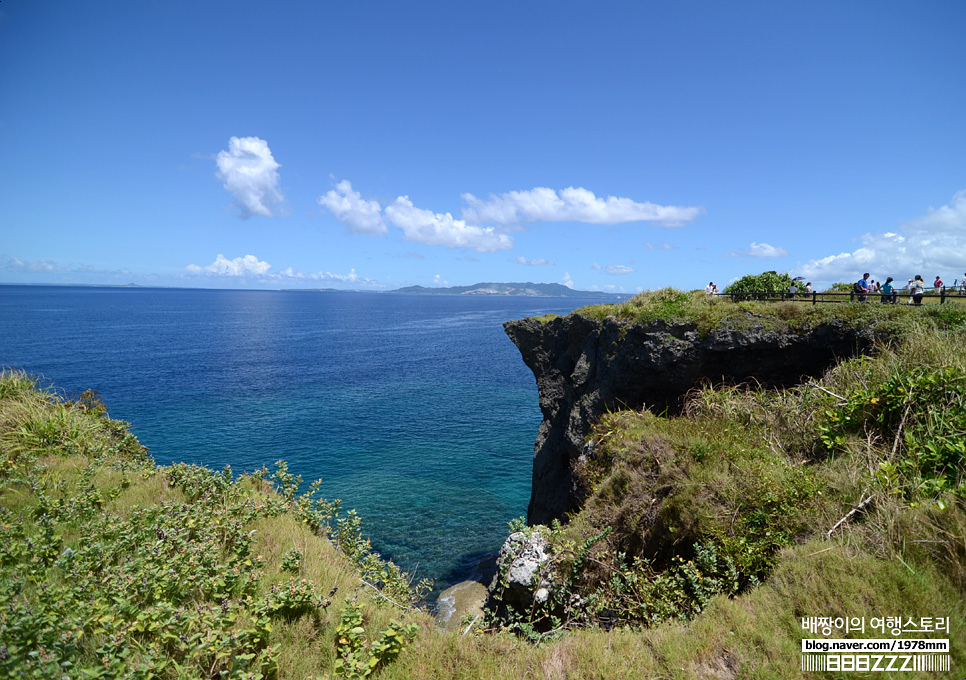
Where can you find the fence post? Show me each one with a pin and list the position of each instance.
(942, 295)
(815, 298)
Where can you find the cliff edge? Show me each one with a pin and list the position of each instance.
(585, 367)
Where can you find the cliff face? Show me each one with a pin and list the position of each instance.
(584, 367)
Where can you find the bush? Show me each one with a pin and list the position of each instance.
(766, 282)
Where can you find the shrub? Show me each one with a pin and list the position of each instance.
(766, 282)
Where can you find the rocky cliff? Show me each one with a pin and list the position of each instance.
(584, 367)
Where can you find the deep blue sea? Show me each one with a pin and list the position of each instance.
(415, 410)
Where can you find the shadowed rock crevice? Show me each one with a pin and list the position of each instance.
(585, 367)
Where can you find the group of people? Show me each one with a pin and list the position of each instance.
(916, 288)
(888, 292)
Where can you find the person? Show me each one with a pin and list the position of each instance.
(808, 287)
(888, 292)
(937, 285)
(861, 288)
(711, 289)
(918, 288)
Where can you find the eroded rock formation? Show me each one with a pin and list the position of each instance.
(584, 367)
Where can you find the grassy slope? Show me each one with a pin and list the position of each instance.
(745, 465)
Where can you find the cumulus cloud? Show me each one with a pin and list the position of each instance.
(240, 266)
(45, 266)
(613, 269)
(931, 244)
(567, 281)
(505, 211)
(250, 174)
(322, 277)
(251, 268)
(18, 265)
(436, 229)
(573, 204)
(348, 206)
(535, 262)
(760, 250)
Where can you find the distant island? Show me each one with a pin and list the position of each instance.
(521, 289)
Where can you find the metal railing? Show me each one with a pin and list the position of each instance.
(950, 294)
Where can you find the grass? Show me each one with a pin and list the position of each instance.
(763, 476)
(705, 535)
(113, 567)
(708, 313)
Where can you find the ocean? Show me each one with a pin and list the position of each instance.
(416, 410)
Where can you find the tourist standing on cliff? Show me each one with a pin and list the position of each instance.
(918, 288)
(862, 288)
(937, 285)
(888, 292)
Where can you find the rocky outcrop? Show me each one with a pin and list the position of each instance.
(584, 367)
(520, 581)
(465, 599)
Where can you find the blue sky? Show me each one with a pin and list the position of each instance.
(373, 145)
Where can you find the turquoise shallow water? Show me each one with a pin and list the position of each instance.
(417, 411)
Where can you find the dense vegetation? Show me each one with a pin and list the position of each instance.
(685, 509)
(111, 567)
(705, 540)
(766, 282)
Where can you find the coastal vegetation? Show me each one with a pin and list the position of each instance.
(712, 502)
(704, 540)
(113, 567)
(707, 313)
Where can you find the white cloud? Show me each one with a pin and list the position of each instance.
(573, 204)
(348, 206)
(439, 282)
(435, 229)
(567, 281)
(659, 246)
(45, 266)
(760, 250)
(251, 268)
(614, 269)
(934, 243)
(765, 250)
(321, 277)
(250, 174)
(240, 266)
(535, 262)
(18, 265)
(536, 205)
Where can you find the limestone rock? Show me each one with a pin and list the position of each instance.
(520, 577)
(462, 599)
(584, 367)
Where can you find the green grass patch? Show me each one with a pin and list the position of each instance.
(708, 313)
